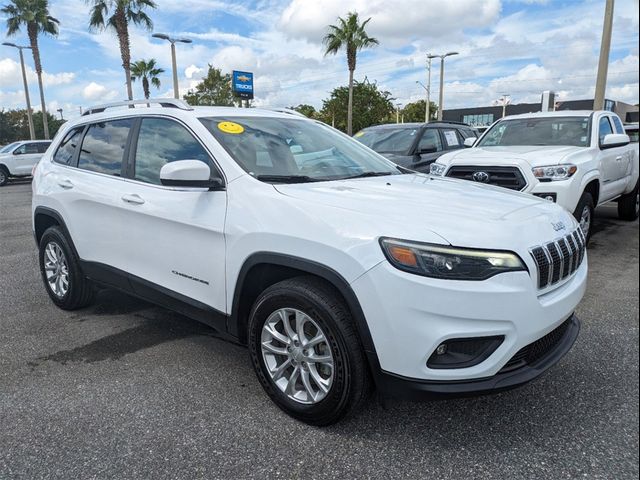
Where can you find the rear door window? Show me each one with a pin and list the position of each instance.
(67, 148)
(104, 145)
(42, 146)
(618, 124)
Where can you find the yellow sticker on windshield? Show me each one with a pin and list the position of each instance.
(359, 134)
(230, 127)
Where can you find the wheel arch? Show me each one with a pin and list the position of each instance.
(593, 187)
(45, 217)
(264, 269)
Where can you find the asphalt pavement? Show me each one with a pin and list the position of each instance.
(127, 390)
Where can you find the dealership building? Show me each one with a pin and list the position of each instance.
(484, 116)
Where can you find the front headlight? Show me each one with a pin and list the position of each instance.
(437, 169)
(554, 173)
(438, 261)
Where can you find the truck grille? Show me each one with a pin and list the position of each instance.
(557, 260)
(507, 177)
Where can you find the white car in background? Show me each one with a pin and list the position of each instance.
(577, 159)
(18, 159)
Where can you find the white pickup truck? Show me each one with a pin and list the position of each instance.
(578, 159)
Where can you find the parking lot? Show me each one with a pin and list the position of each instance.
(124, 389)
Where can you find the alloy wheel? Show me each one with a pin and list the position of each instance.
(56, 269)
(585, 221)
(297, 355)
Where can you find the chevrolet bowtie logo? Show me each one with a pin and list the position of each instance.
(243, 78)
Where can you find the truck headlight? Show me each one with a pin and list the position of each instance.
(554, 173)
(437, 169)
(438, 261)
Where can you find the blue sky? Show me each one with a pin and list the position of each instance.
(517, 47)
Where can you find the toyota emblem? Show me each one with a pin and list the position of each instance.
(482, 177)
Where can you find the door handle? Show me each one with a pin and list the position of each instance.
(133, 199)
(66, 184)
(618, 158)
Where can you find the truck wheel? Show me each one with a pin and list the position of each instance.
(63, 279)
(306, 352)
(629, 205)
(4, 176)
(584, 214)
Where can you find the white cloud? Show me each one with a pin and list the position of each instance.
(95, 91)
(11, 75)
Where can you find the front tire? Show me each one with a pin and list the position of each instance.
(4, 176)
(63, 279)
(629, 205)
(306, 351)
(584, 214)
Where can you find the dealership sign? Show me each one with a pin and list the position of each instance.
(242, 84)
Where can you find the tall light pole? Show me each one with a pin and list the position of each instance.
(505, 102)
(426, 110)
(441, 99)
(32, 132)
(173, 41)
(426, 114)
(398, 105)
(603, 63)
(60, 112)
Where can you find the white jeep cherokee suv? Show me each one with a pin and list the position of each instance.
(340, 270)
(18, 158)
(578, 159)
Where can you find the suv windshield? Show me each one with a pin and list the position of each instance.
(388, 139)
(294, 150)
(546, 131)
(7, 148)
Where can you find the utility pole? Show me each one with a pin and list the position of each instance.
(603, 63)
(441, 99)
(505, 101)
(426, 113)
(32, 131)
(398, 112)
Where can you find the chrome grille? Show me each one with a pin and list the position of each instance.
(559, 259)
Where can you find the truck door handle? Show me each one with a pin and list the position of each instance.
(133, 199)
(619, 158)
(66, 184)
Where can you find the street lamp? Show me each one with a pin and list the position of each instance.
(60, 112)
(173, 41)
(426, 110)
(441, 100)
(32, 132)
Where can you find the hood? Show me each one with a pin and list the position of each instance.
(534, 156)
(461, 212)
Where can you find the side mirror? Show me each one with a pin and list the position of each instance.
(433, 149)
(469, 142)
(189, 174)
(614, 140)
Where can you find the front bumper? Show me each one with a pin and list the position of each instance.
(396, 386)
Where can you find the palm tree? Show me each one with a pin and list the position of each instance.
(349, 34)
(148, 72)
(34, 14)
(117, 14)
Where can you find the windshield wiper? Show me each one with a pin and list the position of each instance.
(368, 174)
(286, 178)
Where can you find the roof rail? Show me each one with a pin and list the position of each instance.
(163, 102)
(453, 122)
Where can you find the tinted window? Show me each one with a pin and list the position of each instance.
(42, 146)
(633, 134)
(430, 141)
(21, 150)
(162, 141)
(103, 146)
(544, 131)
(67, 147)
(618, 124)
(467, 133)
(7, 148)
(605, 128)
(32, 148)
(388, 139)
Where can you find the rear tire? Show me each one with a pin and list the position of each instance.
(584, 214)
(4, 176)
(347, 383)
(629, 205)
(63, 279)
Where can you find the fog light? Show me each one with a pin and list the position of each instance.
(551, 197)
(464, 352)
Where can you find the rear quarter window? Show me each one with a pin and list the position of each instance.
(104, 145)
(67, 148)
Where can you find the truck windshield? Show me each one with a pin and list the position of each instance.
(293, 150)
(545, 131)
(388, 139)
